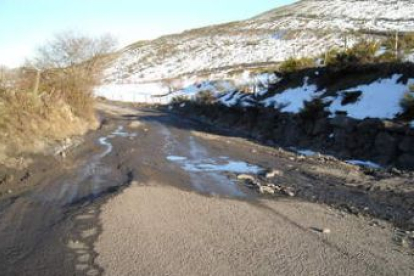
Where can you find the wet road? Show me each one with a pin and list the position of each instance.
(88, 210)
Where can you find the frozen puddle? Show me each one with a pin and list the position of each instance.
(208, 176)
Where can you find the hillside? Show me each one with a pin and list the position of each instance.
(306, 28)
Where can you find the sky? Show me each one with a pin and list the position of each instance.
(27, 24)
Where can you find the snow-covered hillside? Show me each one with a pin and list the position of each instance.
(306, 28)
(378, 99)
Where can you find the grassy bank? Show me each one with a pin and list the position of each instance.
(30, 123)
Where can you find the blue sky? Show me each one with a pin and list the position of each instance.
(26, 24)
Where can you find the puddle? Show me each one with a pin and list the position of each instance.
(231, 166)
(209, 165)
(207, 174)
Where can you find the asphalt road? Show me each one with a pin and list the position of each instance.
(151, 193)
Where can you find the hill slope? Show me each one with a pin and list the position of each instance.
(306, 28)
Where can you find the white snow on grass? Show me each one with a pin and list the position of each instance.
(292, 100)
(380, 99)
(367, 164)
(214, 87)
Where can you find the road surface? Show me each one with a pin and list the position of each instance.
(152, 193)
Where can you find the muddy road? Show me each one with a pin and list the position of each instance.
(152, 193)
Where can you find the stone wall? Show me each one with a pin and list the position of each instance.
(384, 142)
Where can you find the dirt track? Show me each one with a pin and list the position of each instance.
(185, 213)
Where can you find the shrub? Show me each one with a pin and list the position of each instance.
(405, 43)
(292, 64)
(388, 56)
(205, 97)
(362, 53)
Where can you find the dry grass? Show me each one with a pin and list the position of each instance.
(31, 122)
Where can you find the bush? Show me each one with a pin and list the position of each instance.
(291, 65)
(205, 97)
(362, 53)
(388, 56)
(405, 43)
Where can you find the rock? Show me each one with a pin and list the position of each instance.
(326, 231)
(63, 154)
(135, 124)
(300, 158)
(246, 177)
(404, 243)
(273, 174)
(288, 192)
(266, 190)
(9, 191)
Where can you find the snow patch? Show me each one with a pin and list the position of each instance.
(292, 100)
(380, 99)
(367, 164)
(307, 153)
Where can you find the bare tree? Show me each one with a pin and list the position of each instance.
(71, 64)
(70, 48)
